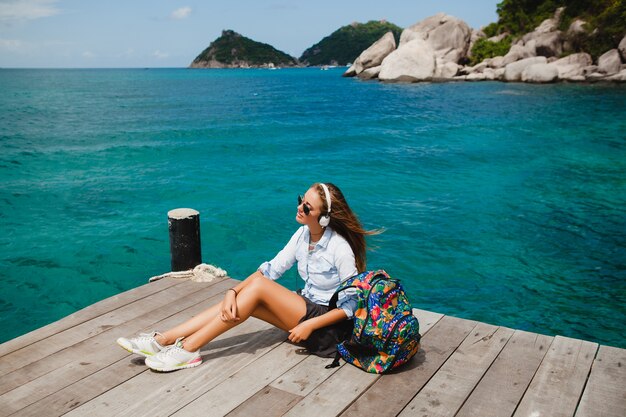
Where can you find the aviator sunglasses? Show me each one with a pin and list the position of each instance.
(305, 206)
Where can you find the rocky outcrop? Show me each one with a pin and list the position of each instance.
(513, 71)
(610, 62)
(540, 73)
(517, 52)
(374, 55)
(448, 36)
(412, 61)
(436, 48)
(622, 49)
(369, 73)
(572, 67)
(620, 76)
(445, 70)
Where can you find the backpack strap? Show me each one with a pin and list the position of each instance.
(335, 362)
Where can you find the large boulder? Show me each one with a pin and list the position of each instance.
(350, 72)
(445, 70)
(610, 62)
(514, 70)
(577, 27)
(622, 49)
(620, 76)
(374, 55)
(540, 73)
(572, 67)
(549, 44)
(369, 73)
(519, 51)
(412, 61)
(448, 36)
(552, 24)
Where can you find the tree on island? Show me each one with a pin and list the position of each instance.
(345, 44)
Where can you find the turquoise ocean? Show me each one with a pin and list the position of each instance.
(502, 203)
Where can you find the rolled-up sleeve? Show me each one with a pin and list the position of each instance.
(284, 260)
(347, 302)
(346, 268)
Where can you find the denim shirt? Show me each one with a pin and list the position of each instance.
(329, 264)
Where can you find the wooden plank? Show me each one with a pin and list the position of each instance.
(427, 319)
(101, 351)
(80, 392)
(91, 346)
(243, 384)
(88, 329)
(289, 388)
(161, 394)
(335, 394)
(502, 387)
(445, 393)
(87, 313)
(109, 377)
(269, 402)
(392, 392)
(305, 377)
(605, 393)
(560, 379)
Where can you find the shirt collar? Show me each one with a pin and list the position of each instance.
(323, 242)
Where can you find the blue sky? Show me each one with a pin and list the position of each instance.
(171, 33)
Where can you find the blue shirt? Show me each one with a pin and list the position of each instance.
(325, 267)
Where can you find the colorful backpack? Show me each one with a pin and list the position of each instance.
(386, 333)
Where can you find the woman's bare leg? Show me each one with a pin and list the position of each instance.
(190, 326)
(261, 298)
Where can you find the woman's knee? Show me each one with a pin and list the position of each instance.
(257, 285)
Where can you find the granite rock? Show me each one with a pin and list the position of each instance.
(412, 61)
(610, 62)
(514, 70)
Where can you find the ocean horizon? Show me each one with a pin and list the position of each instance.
(501, 202)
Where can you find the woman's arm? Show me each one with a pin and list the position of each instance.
(303, 330)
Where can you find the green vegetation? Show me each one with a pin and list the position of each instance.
(345, 44)
(605, 28)
(484, 49)
(232, 48)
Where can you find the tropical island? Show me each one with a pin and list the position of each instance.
(540, 41)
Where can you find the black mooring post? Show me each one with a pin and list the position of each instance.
(184, 225)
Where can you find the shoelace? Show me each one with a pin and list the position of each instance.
(146, 336)
(169, 350)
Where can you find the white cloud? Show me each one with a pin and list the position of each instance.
(89, 55)
(27, 9)
(160, 55)
(181, 13)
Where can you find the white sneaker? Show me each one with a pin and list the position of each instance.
(144, 345)
(173, 358)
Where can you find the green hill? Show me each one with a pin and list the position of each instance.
(605, 28)
(232, 50)
(345, 44)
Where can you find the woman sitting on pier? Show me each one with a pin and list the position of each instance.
(329, 247)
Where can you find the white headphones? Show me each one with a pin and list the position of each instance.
(325, 219)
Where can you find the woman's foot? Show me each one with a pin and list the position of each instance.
(145, 344)
(173, 358)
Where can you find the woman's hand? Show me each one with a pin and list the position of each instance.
(301, 332)
(228, 314)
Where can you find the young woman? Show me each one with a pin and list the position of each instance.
(329, 248)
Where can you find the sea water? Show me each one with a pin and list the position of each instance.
(502, 203)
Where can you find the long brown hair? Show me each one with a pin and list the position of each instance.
(346, 223)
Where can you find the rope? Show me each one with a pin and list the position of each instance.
(201, 273)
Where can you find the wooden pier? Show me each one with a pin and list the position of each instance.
(74, 367)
